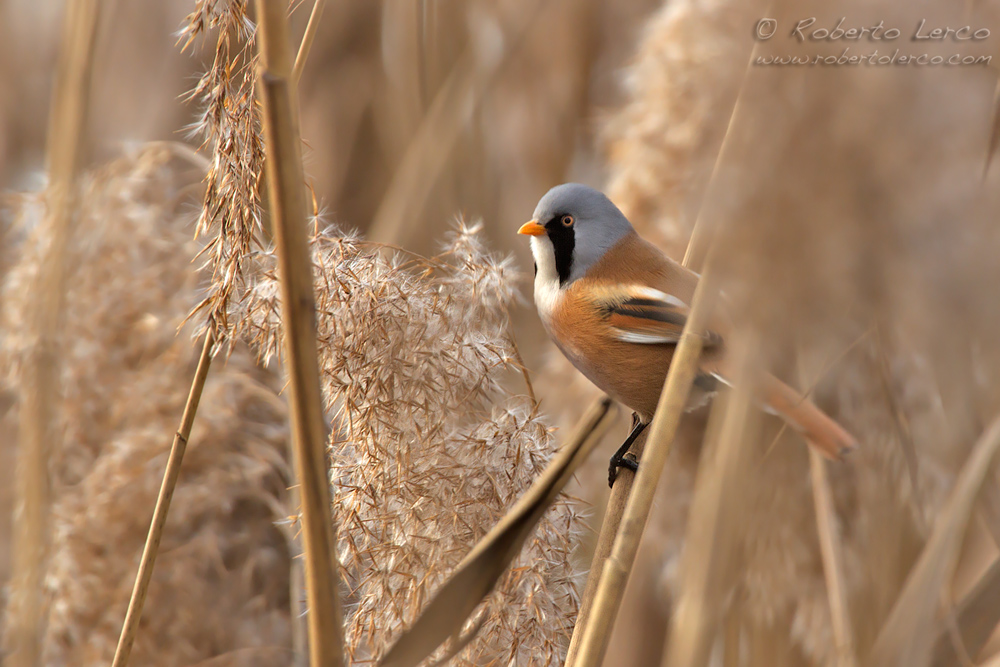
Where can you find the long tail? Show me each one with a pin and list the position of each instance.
(824, 434)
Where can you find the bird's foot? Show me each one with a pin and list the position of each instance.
(621, 458)
(620, 461)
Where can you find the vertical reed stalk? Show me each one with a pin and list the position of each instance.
(286, 190)
(170, 476)
(826, 528)
(300, 633)
(67, 119)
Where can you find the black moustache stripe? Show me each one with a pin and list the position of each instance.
(563, 241)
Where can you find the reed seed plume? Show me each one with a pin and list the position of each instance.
(229, 125)
(429, 445)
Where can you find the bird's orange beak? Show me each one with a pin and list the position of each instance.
(531, 228)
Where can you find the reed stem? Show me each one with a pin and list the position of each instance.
(307, 41)
(605, 540)
(170, 476)
(286, 190)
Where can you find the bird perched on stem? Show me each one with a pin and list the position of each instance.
(616, 306)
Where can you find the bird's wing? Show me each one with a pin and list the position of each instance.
(644, 315)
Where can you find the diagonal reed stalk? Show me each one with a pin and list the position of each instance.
(614, 575)
(605, 540)
(130, 628)
(286, 188)
(67, 119)
(620, 492)
(661, 433)
(617, 499)
(975, 618)
(710, 541)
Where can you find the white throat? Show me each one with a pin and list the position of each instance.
(547, 290)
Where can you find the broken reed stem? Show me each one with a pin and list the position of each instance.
(833, 566)
(669, 410)
(286, 198)
(307, 41)
(829, 543)
(130, 628)
(67, 118)
(712, 533)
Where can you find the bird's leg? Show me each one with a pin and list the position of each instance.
(619, 459)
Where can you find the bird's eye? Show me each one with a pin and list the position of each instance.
(567, 221)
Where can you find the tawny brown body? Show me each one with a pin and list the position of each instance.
(590, 334)
(628, 372)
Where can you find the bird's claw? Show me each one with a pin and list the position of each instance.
(624, 461)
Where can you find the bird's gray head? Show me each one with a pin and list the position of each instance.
(573, 227)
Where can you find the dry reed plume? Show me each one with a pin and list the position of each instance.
(429, 448)
(230, 127)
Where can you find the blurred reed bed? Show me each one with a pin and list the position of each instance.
(131, 285)
(857, 238)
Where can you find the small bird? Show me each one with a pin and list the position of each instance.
(616, 306)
